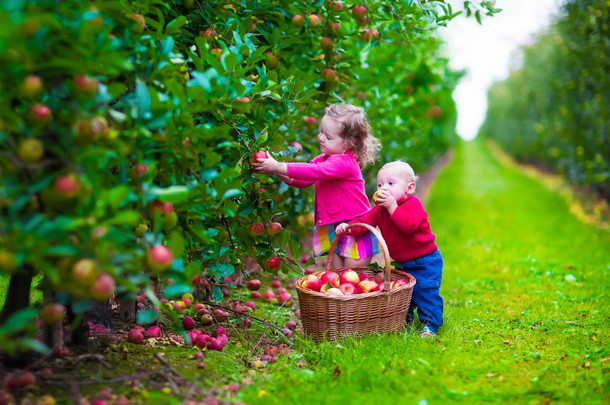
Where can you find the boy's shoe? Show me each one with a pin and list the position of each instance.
(427, 331)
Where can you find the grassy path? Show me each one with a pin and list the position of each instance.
(526, 307)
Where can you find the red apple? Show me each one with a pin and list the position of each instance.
(103, 288)
(298, 21)
(285, 298)
(274, 229)
(334, 291)
(399, 283)
(188, 323)
(310, 121)
(135, 336)
(273, 263)
(330, 77)
(32, 86)
(206, 319)
(335, 6)
(348, 276)
(268, 295)
(153, 332)
(259, 155)
(140, 169)
(359, 12)
(256, 229)
(67, 186)
(84, 271)
(40, 115)
(253, 285)
(220, 315)
(159, 259)
(347, 289)
(379, 277)
(330, 277)
(312, 282)
(255, 295)
(276, 283)
(327, 44)
(86, 85)
(364, 276)
(367, 286)
(52, 314)
(250, 304)
(314, 20)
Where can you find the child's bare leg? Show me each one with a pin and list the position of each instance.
(338, 261)
(357, 262)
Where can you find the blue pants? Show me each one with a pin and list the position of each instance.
(428, 273)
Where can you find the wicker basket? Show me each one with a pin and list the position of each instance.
(330, 316)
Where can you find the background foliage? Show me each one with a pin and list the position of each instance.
(554, 110)
(140, 102)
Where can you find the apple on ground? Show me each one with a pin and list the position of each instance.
(285, 298)
(255, 295)
(348, 276)
(188, 323)
(347, 289)
(276, 283)
(135, 336)
(268, 295)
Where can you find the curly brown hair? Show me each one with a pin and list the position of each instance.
(356, 131)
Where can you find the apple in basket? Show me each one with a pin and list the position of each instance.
(399, 283)
(348, 276)
(330, 277)
(363, 276)
(312, 282)
(334, 291)
(367, 286)
(347, 289)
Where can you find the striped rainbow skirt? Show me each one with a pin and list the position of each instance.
(353, 247)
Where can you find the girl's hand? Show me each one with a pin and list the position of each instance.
(341, 229)
(266, 166)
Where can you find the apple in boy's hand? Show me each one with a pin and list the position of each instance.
(376, 195)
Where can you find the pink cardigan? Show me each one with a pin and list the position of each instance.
(339, 186)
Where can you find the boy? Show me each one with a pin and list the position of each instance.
(403, 222)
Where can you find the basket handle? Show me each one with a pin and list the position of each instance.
(382, 244)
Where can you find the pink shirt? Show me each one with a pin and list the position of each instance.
(338, 183)
(406, 232)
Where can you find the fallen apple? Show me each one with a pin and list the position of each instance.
(253, 285)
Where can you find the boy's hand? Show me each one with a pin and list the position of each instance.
(341, 229)
(385, 200)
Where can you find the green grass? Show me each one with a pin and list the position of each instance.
(516, 329)
(526, 318)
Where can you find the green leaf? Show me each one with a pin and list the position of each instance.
(142, 100)
(221, 270)
(176, 290)
(34, 345)
(176, 243)
(233, 192)
(174, 26)
(173, 194)
(146, 317)
(19, 320)
(217, 294)
(295, 248)
(130, 218)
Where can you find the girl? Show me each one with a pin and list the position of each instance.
(346, 145)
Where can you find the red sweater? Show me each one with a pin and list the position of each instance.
(407, 232)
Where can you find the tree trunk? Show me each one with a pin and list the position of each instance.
(127, 308)
(18, 294)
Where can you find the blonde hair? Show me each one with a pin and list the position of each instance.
(356, 131)
(403, 168)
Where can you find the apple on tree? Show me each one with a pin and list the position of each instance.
(274, 229)
(259, 155)
(253, 285)
(273, 263)
(159, 259)
(30, 150)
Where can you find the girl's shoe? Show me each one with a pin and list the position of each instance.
(427, 331)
